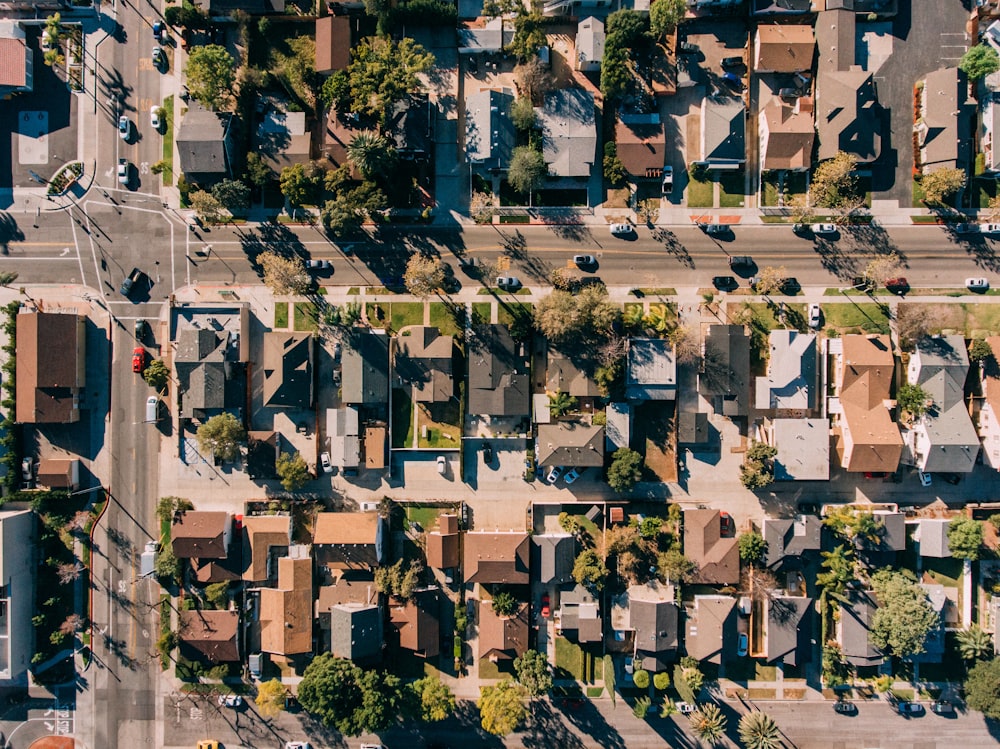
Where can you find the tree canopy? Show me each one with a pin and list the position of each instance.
(436, 700)
(974, 644)
(284, 275)
(833, 184)
(527, 169)
(589, 570)
(270, 699)
(221, 436)
(980, 350)
(353, 701)
(529, 35)
(753, 547)
(372, 154)
(942, 183)
(965, 538)
(912, 399)
(982, 688)
(533, 672)
(708, 722)
(424, 275)
(625, 470)
(292, 470)
(759, 731)
(502, 707)
(400, 579)
(664, 15)
(232, 194)
(904, 616)
(211, 73)
(979, 61)
(583, 318)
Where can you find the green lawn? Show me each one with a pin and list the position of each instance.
(424, 515)
(306, 316)
(482, 311)
(763, 672)
(168, 141)
(402, 419)
(280, 315)
(402, 314)
(945, 572)
(918, 195)
(856, 317)
(770, 185)
(983, 191)
(766, 313)
(377, 313)
(443, 429)
(732, 190)
(700, 194)
(576, 662)
(507, 312)
(443, 318)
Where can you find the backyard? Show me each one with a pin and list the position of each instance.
(969, 319)
(438, 425)
(402, 419)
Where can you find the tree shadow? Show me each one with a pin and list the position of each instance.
(546, 729)
(674, 247)
(587, 719)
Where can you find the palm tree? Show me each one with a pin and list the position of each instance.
(660, 319)
(668, 708)
(632, 319)
(759, 731)
(974, 644)
(708, 723)
(561, 404)
(868, 528)
(371, 153)
(839, 570)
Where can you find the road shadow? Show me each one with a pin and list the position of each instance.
(546, 729)
(674, 247)
(586, 718)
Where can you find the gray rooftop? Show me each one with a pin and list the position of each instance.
(654, 615)
(723, 130)
(355, 631)
(209, 372)
(788, 537)
(725, 372)
(590, 39)
(365, 368)
(944, 94)
(343, 428)
(934, 641)
(201, 141)
(568, 443)
(288, 369)
(934, 538)
(489, 131)
(651, 373)
(552, 557)
(790, 384)
(569, 132)
(803, 449)
(618, 429)
(494, 37)
(564, 375)
(788, 629)
(855, 630)
(498, 381)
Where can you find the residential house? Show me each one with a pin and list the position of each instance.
(692, 428)
(868, 440)
(343, 428)
(724, 378)
(206, 143)
(788, 539)
(653, 615)
(717, 557)
(416, 622)
(288, 369)
(854, 629)
(213, 8)
(498, 375)
(411, 128)
(788, 629)
(989, 121)
(423, 361)
(618, 429)
(569, 443)
(552, 557)
(201, 534)
(783, 48)
(989, 409)
(283, 139)
(943, 602)
(944, 121)
(771, 7)
(209, 636)
(341, 128)
(891, 538)
(497, 557)
(569, 132)
(16, 60)
(442, 544)
(564, 375)
(723, 132)
(365, 370)
(848, 114)
(589, 44)
(580, 616)
(349, 540)
(491, 38)
(17, 594)
(786, 134)
(262, 454)
(932, 538)
(51, 369)
(58, 473)
(942, 439)
(790, 385)
(502, 638)
(212, 350)
(356, 631)
(286, 612)
(651, 370)
(803, 448)
(266, 538)
(333, 43)
(375, 446)
(490, 135)
(711, 628)
(641, 145)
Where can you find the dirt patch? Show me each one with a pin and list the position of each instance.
(794, 694)
(657, 434)
(762, 694)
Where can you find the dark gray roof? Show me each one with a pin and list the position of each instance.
(945, 91)
(791, 537)
(726, 369)
(654, 615)
(424, 360)
(711, 628)
(208, 371)
(201, 142)
(569, 132)
(569, 444)
(498, 382)
(365, 368)
(855, 630)
(723, 129)
(552, 557)
(580, 615)
(410, 127)
(355, 631)
(692, 428)
(934, 641)
(288, 369)
(490, 136)
(651, 372)
(789, 629)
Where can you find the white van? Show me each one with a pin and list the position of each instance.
(152, 409)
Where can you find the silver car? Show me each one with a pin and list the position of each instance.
(508, 282)
(621, 230)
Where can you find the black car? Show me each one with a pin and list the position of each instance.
(733, 62)
(126, 288)
(808, 508)
(845, 708)
(487, 453)
(141, 329)
(725, 283)
(741, 261)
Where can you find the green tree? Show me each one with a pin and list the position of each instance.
(533, 672)
(186, 16)
(584, 319)
(156, 375)
(7, 278)
(522, 114)
(372, 154)
(942, 183)
(834, 184)
(221, 436)
(210, 74)
(641, 678)
(838, 570)
(589, 570)
(904, 616)
(614, 170)
(424, 275)
(757, 470)
(965, 538)
(283, 275)
(625, 470)
(300, 183)
(661, 681)
(616, 72)
(500, 9)
(771, 279)
(759, 731)
(292, 470)
(207, 206)
(664, 15)
(258, 172)
(753, 547)
(270, 699)
(982, 688)
(217, 594)
(529, 35)
(561, 404)
(708, 723)
(340, 217)
(674, 566)
(232, 195)
(504, 603)
(641, 707)
(979, 61)
(980, 350)
(527, 169)
(399, 580)
(883, 267)
(343, 696)
(502, 707)
(974, 644)
(166, 567)
(912, 399)
(437, 701)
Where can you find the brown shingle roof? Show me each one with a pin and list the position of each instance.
(210, 635)
(497, 557)
(333, 43)
(286, 614)
(718, 558)
(784, 48)
(442, 544)
(347, 539)
(13, 62)
(502, 638)
(261, 533)
(871, 439)
(416, 622)
(50, 366)
(424, 360)
(199, 534)
(641, 148)
(790, 134)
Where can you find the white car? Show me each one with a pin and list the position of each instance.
(554, 474)
(318, 266)
(28, 469)
(154, 117)
(122, 172)
(621, 230)
(442, 464)
(667, 184)
(300, 745)
(685, 707)
(585, 260)
(508, 282)
(977, 284)
(230, 700)
(989, 228)
(823, 229)
(814, 316)
(324, 460)
(124, 127)
(925, 478)
(573, 475)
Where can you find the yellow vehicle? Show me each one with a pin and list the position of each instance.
(208, 744)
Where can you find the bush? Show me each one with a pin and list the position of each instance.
(641, 679)
(661, 681)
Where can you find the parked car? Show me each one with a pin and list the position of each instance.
(724, 283)
(487, 453)
(733, 62)
(318, 266)
(684, 708)
(942, 707)
(742, 644)
(977, 284)
(814, 316)
(324, 460)
(554, 474)
(789, 93)
(621, 230)
(585, 261)
(688, 47)
(28, 469)
(823, 228)
(442, 464)
(925, 478)
(909, 708)
(741, 261)
(122, 171)
(573, 475)
(845, 707)
(158, 29)
(809, 508)
(715, 228)
(138, 359)
(158, 58)
(307, 745)
(126, 288)
(230, 700)
(898, 285)
(727, 526)
(154, 117)
(733, 80)
(208, 744)
(546, 607)
(800, 228)
(667, 183)
(967, 228)
(141, 329)
(989, 228)
(508, 282)
(124, 127)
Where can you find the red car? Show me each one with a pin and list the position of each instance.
(728, 526)
(546, 609)
(138, 359)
